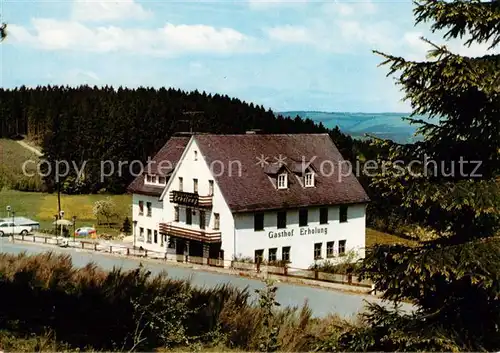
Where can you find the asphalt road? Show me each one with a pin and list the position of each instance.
(321, 301)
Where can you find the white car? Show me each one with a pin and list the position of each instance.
(11, 228)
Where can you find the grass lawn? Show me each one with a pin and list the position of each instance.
(375, 237)
(12, 158)
(42, 207)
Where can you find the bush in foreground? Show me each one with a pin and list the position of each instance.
(133, 310)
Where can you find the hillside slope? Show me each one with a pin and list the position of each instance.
(18, 166)
(384, 125)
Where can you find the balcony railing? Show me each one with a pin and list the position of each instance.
(188, 233)
(190, 199)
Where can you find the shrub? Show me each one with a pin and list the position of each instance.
(133, 310)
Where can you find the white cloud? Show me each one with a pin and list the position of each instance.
(170, 40)
(341, 8)
(271, 4)
(340, 36)
(106, 10)
(290, 34)
(414, 48)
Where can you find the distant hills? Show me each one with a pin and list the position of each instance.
(384, 125)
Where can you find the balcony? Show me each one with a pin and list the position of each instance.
(190, 199)
(188, 233)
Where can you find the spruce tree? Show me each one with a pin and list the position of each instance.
(453, 275)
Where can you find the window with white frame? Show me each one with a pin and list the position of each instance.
(195, 155)
(210, 187)
(216, 221)
(309, 179)
(282, 181)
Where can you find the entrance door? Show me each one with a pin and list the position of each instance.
(202, 219)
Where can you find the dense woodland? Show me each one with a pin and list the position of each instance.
(94, 124)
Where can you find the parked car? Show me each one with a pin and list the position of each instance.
(85, 232)
(12, 228)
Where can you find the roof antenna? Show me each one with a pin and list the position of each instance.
(191, 114)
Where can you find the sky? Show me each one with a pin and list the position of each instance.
(282, 54)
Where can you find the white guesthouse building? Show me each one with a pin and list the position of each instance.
(278, 197)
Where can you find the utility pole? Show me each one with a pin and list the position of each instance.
(191, 114)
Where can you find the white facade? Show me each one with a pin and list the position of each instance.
(238, 237)
(147, 221)
(301, 240)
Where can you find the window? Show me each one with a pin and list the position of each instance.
(342, 247)
(303, 217)
(285, 253)
(309, 180)
(259, 255)
(202, 219)
(329, 249)
(258, 221)
(195, 155)
(162, 239)
(181, 186)
(189, 216)
(210, 187)
(343, 214)
(148, 178)
(317, 250)
(155, 237)
(272, 254)
(153, 179)
(148, 206)
(195, 186)
(149, 236)
(176, 213)
(216, 221)
(141, 234)
(141, 208)
(282, 181)
(323, 215)
(282, 219)
(162, 180)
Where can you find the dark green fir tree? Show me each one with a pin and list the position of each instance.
(453, 275)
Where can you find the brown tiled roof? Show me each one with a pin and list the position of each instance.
(163, 163)
(253, 189)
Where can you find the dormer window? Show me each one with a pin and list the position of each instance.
(148, 178)
(309, 179)
(153, 179)
(282, 181)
